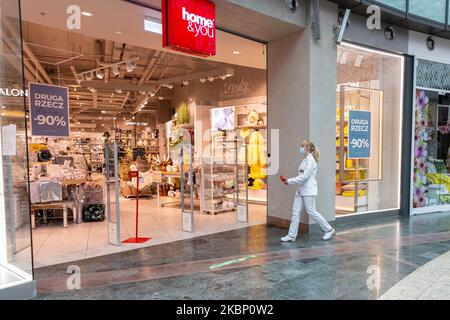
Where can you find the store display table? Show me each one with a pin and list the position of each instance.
(64, 205)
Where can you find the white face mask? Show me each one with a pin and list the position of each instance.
(302, 151)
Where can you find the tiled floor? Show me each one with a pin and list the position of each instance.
(366, 259)
(54, 244)
(429, 282)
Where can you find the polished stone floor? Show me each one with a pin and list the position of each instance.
(364, 261)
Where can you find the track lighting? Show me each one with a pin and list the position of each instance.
(211, 79)
(223, 77)
(100, 74)
(131, 65)
(116, 70)
(203, 80)
(90, 76)
(169, 86)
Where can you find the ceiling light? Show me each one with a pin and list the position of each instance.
(86, 14)
(142, 92)
(223, 77)
(236, 52)
(169, 86)
(3, 107)
(202, 80)
(185, 83)
(101, 118)
(131, 65)
(91, 89)
(116, 70)
(100, 74)
(115, 118)
(119, 90)
(80, 77)
(75, 89)
(103, 125)
(344, 58)
(153, 25)
(118, 32)
(78, 98)
(90, 76)
(161, 98)
(211, 79)
(358, 60)
(103, 111)
(152, 94)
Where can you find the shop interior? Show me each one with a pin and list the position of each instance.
(372, 81)
(431, 151)
(150, 103)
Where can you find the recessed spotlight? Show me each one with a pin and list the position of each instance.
(161, 98)
(203, 80)
(2, 114)
(118, 32)
(3, 107)
(103, 111)
(119, 90)
(78, 98)
(236, 52)
(185, 83)
(211, 79)
(101, 118)
(87, 14)
(75, 89)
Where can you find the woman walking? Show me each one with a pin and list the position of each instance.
(305, 197)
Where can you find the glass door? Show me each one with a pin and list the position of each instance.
(16, 266)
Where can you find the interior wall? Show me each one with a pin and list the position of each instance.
(301, 105)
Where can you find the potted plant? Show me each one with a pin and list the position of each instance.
(184, 116)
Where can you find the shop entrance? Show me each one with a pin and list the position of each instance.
(149, 105)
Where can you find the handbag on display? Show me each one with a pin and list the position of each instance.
(93, 212)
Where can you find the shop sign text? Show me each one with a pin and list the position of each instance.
(49, 110)
(189, 26)
(359, 134)
(6, 92)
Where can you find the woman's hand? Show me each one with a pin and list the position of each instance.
(284, 180)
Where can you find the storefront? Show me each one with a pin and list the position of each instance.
(369, 110)
(186, 133)
(430, 153)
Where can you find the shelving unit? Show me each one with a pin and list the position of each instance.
(224, 179)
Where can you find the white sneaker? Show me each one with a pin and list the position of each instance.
(329, 235)
(288, 239)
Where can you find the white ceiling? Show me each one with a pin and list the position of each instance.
(111, 16)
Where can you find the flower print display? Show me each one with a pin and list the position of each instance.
(421, 138)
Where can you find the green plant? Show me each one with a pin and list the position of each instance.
(184, 115)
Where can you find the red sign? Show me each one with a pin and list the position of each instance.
(190, 26)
